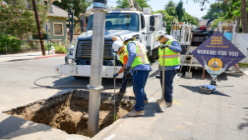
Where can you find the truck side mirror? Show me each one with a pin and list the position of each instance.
(152, 20)
(152, 28)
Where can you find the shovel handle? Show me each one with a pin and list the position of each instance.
(163, 75)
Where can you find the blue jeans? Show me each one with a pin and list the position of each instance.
(168, 84)
(124, 83)
(139, 81)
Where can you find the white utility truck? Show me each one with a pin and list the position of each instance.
(141, 24)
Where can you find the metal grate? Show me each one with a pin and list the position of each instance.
(84, 49)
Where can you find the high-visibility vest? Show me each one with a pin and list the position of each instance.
(123, 54)
(141, 57)
(168, 58)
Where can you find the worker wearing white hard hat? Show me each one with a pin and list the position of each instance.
(125, 79)
(169, 62)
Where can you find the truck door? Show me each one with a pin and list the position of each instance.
(143, 33)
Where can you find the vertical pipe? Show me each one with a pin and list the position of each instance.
(38, 27)
(96, 70)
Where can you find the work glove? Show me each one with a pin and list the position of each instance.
(127, 69)
(127, 72)
(115, 75)
(163, 46)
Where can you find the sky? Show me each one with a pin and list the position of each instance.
(190, 7)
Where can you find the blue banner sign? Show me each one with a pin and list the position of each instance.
(217, 54)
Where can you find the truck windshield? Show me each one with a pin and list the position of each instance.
(119, 21)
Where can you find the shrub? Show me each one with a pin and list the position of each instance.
(9, 44)
(48, 46)
(60, 49)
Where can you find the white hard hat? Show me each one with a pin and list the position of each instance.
(168, 36)
(160, 33)
(127, 38)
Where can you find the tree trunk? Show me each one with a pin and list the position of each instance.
(238, 23)
(244, 20)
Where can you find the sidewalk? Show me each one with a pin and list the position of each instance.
(25, 56)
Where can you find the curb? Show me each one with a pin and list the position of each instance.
(49, 56)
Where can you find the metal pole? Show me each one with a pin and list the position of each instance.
(96, 70)
(71, 24)
(38, 27)
(48, 46)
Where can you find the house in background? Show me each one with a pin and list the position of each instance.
(56, 24)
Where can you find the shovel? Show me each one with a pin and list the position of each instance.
(161, 101)
(188, 75)
(179, 75)
(114, 117)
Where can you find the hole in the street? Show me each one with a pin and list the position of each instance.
(69, 111)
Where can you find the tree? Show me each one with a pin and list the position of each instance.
(243, 12)
(180, 11)
(216, 10)
(79, 6)
(170, 8)
(16, 19)
(124, 3)
(170, 4)
(168, 19)
(190, 19)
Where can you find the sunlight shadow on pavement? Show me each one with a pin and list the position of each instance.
(195, 89)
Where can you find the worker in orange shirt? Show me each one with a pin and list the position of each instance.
(126, 79)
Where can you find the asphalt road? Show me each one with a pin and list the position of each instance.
(193, 116)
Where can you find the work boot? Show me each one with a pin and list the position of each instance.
(120, 93)
(168, 104)
(134, 113)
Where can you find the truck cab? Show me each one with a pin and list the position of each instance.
(142, 25)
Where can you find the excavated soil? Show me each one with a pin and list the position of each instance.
(69, 111)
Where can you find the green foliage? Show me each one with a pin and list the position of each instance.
(216, 21)
(171, 11)
(190, 19)
(170, 8)
(172, 16)
(243, 65)
(9, 44)
(233, 9)
(180, 11)
(60, 49)
(170, 4)
(124, 3)
(48, 46)
(168, 19)
(216, 10)
(79, 6)
(17, 19)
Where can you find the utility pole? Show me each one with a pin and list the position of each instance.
(96, 65)
(71, 23)
(38, 27)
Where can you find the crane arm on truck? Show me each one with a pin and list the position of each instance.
(134, 4)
